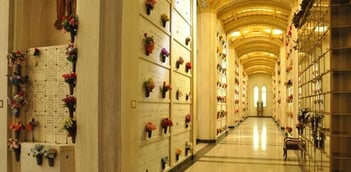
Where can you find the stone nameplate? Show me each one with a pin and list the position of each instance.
(178, 116)
(150, 155)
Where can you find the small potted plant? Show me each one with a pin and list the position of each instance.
(164, 54)
(72, 55)
(187, 120)
(165, 88)
(70, 24)
(18, 81)
(188, 66)
(50, 153)
(178, 152)
(70, 79)
(38, 151)
(187, 148)
(149, 44)
(149, 85)
(150, 4)
(15, 58)
(149, 127)
(70, 126)
(17, 127)
(165, 123)
(164, 19)
(179, 62)
(15, 146)
(70, 102)
(164, 161)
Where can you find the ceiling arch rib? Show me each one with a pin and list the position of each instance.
(257, 28)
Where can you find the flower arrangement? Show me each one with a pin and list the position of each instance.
(149, 85)
(187, 120)
(38, 151)
(149, 127)
(164, 161)
(164, 54)
(36, 52)
(13, 143)
(187, 40)
(164, 19)
(71, 79)
(50, 154)
(70, 126)
(178, 152)
(15, 58)
(70, 102)
(165, 88)
(188, 66)
(72, 55)
(149, 44)
(187, 96)
(18, 81)
(17, 127)
(70, 24)
(165, 123)
(179, 62)
(288, 130)
(15, 146)
(150, 4)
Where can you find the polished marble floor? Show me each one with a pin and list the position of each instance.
(255, 145)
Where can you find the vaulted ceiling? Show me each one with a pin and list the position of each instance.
(255, 28)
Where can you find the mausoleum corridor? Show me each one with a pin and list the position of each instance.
(255, 145)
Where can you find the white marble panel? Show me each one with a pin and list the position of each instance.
(161, 7)
(181, 30)
(184, 8)
(161, 40)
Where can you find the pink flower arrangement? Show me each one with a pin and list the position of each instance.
(166, 122)
(150, 127)
(188, 118)
(150, 4)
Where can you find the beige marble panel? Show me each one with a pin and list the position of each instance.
(150, 155)
(183, 8)
(181, 29)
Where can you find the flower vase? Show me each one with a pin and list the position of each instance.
(72, 34)
(163, 58)
(177, 157)
(165, 130)
(17, 112)
(147, 93)
(186, 69)
(148, 9)
(74, 63)
(18, 69)
(149, 134)
(17, 134)
(164, 94)
(73, 136)
(187, 97)
(164, 23)
(186, 125)
(163, 165)
(39, 159)
(71, 112)
(177, 65)
(71, 89)
(17, 153)
(51, 162)
(186, 151)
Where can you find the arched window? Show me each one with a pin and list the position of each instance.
(255, 96)
(264, 96)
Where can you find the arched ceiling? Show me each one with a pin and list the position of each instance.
(255, 28)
